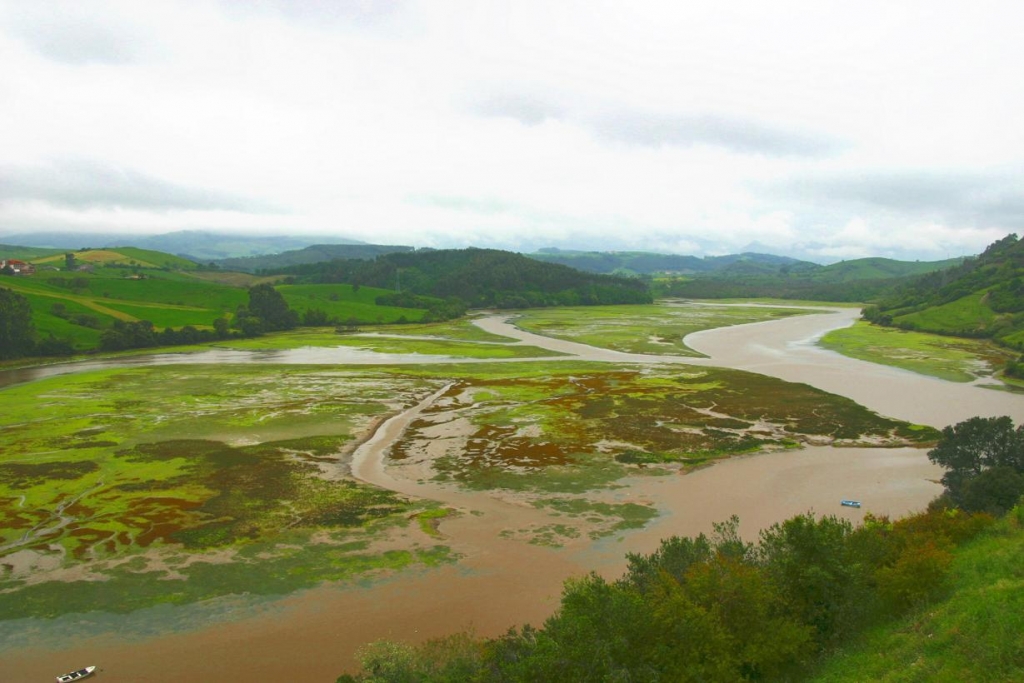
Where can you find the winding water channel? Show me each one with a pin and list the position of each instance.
(500, 581)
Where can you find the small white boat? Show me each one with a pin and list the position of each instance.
(76, 675)
(850, 503)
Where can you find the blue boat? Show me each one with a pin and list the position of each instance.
(850, 503)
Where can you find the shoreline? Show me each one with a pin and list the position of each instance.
(500, 582)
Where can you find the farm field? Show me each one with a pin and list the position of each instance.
(78, 306)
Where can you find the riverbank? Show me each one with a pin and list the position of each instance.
(502, 582)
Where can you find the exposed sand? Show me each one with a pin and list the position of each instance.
(503, 582)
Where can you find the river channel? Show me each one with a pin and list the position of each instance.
(501, 582)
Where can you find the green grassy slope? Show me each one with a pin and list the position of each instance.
(983, 297)
(131, 284)
(343, 302)
(976, 634)
(878, 268)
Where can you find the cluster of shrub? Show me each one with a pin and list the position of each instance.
(721, 609)
(709, 608)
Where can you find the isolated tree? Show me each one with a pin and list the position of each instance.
(222, 328)
(981, 455)
(267, 304)
(17, 332)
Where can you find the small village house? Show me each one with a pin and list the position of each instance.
(17, 266)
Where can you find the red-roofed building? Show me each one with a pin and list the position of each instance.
(18, 267)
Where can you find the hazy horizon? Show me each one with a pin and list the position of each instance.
(822, 131)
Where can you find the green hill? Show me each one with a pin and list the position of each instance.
(130, 286)
(983, 297)
(878, 269)
(478, 278)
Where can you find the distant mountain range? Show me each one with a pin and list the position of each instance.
(198, 245)
(317, 253)
(642, 262)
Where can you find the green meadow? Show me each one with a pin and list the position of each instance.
(91, 301)
(951, 358)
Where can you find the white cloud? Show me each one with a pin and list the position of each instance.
(701, 126)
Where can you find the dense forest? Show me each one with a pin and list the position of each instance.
(480, 278)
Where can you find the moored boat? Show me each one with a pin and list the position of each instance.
(76, 675)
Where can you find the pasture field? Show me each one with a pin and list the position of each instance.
(951, 358)
(649, 329)
(121, 256)
(344, 302)
(174, 299)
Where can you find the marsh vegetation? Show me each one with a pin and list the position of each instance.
(144, 486)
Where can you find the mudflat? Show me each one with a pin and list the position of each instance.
(502, 581)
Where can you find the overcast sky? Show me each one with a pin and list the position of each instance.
(820, 129)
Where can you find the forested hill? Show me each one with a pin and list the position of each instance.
(982, 297)
(480, 278)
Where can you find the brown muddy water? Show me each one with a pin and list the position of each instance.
(500, 582)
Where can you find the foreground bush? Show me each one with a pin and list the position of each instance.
(712, 608)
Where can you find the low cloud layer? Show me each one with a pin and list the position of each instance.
(82, 184)
(796, 127)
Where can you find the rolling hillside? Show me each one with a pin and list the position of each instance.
(126, 286)
(982, 297)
